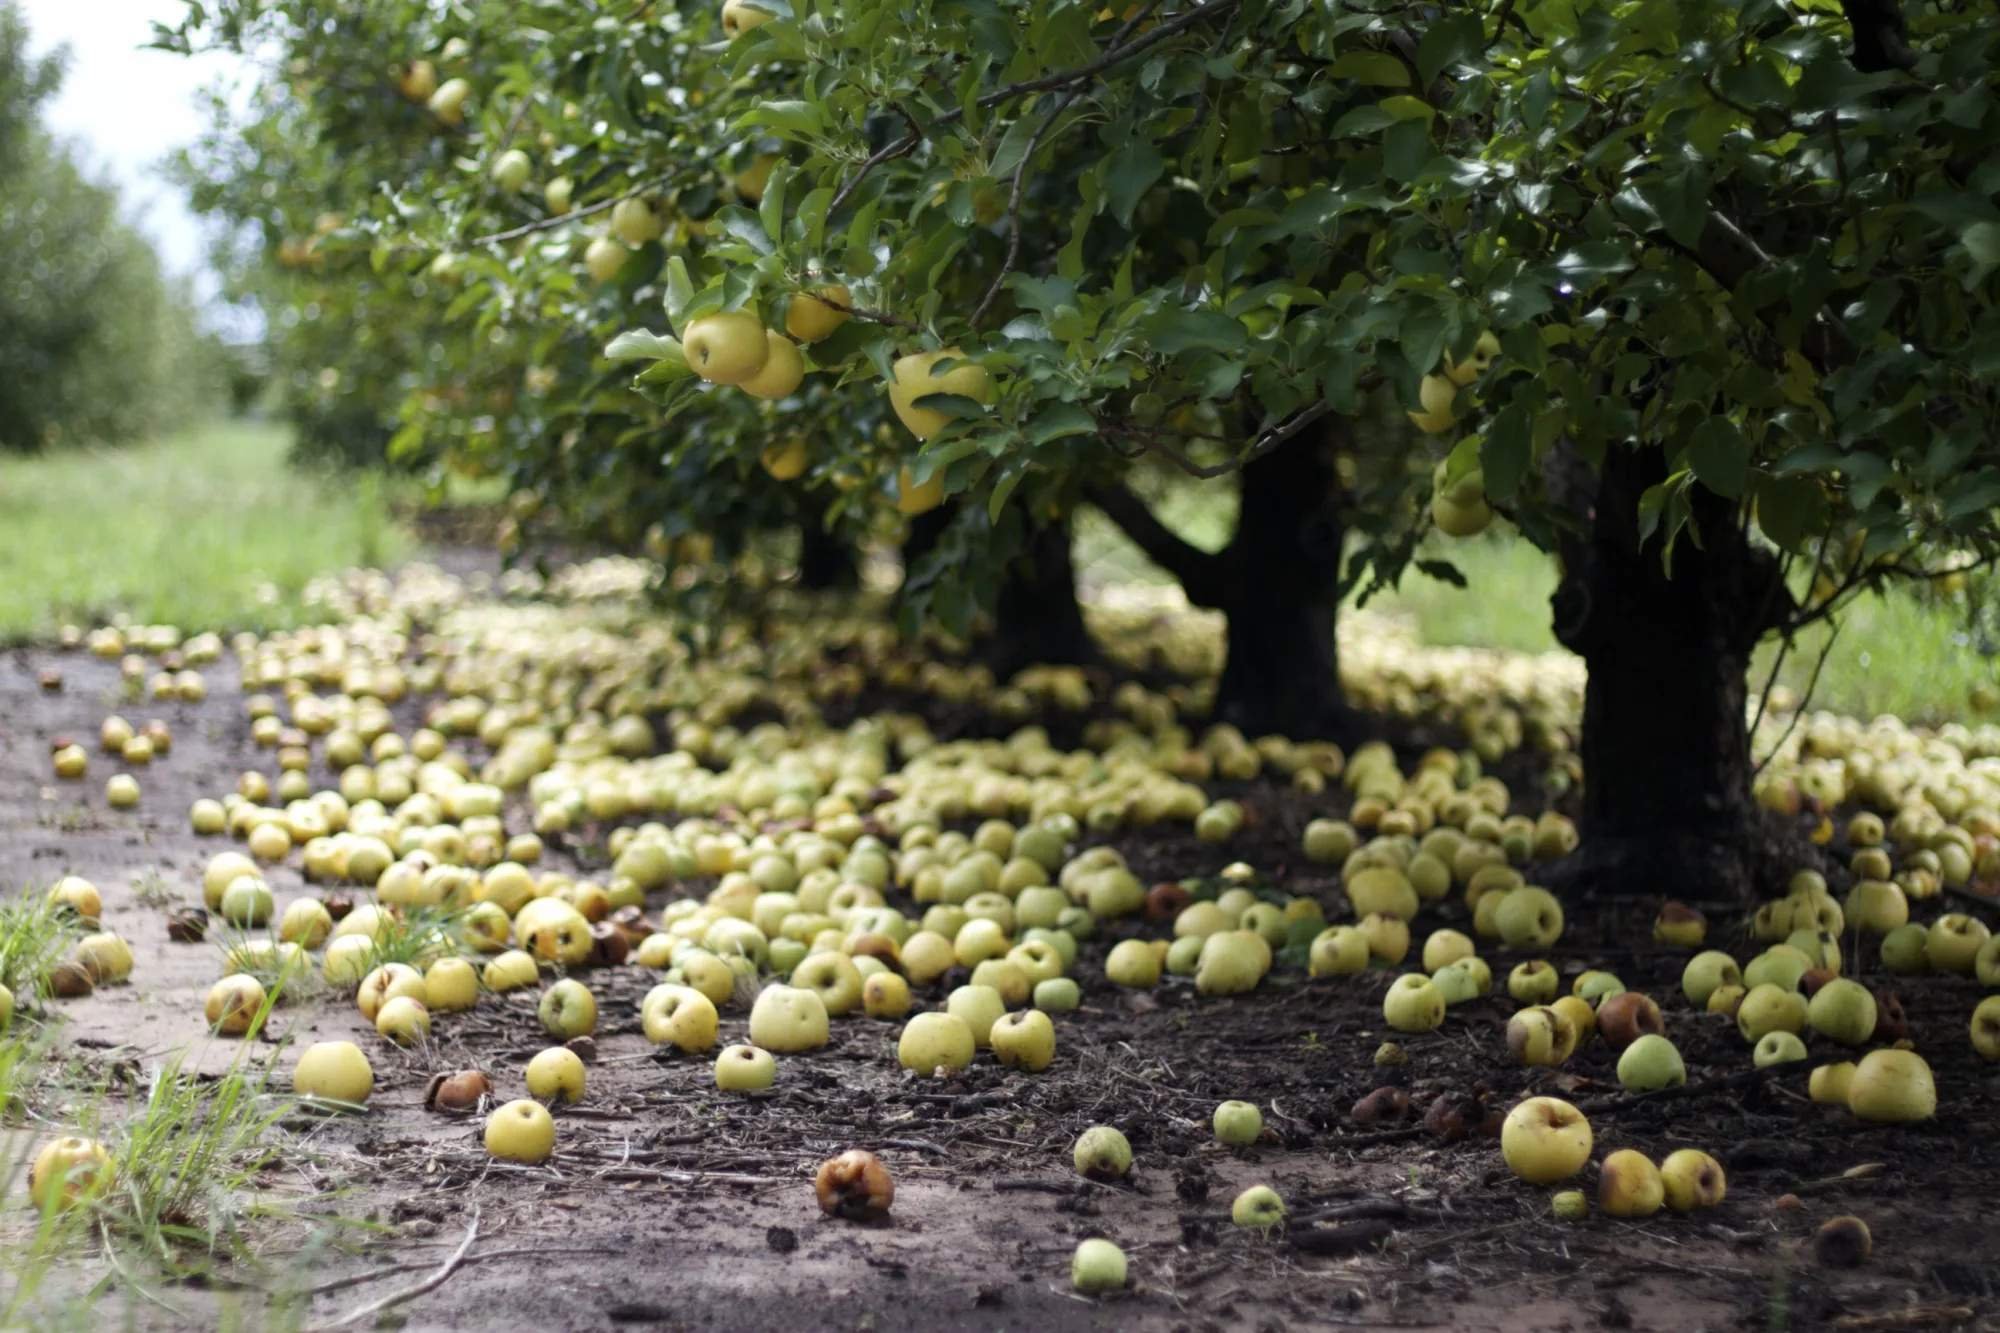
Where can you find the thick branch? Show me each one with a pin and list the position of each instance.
(1203, 576)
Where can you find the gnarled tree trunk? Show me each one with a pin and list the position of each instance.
(1667, 809)
(1036, 617)
(1277, 582)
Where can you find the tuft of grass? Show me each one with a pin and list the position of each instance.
(34, 936)
(209, 529)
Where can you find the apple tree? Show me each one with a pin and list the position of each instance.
(1699, 295)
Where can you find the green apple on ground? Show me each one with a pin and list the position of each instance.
(233, 1004)
(1102, 1153)
(1259, 1208)
(1770, 1008)
(334, 1070)
(1098, 1266)
(935, 1043)
(1985, 1027)
(1629, 1185)
(1237, 1123)
(1413, 1004)
(403, 1020)
(68, 1170)
(1058, 995)
(1533, 982)
(1024, 1039)
(1706, 973)
(1570, 1205)
(1843, 1011)
(1828, 1084)
(568, 1009)
(788, 1020)
(1777, 1048)
(684, 1018)
(1692, 1179)
(980, 1007)
(1545, 1139)
(742, 1068)
(1892, 1087)
(1651, 1063)
(451, 986)
(521, 1131)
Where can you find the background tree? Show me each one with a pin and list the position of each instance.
(95, 344)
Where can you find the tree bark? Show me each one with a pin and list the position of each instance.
(1666, 806)
(1277, 582)
(1036, 617)
(1282, 669)
(826, 563)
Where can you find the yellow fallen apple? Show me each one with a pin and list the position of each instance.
(521, 1131)
(1545, 1139)
(335, 1070)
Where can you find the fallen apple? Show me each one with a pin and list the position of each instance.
(1097, 1266)
(234, 1003)
(1629, 1185)
(404, 1020)
(334, 1070)
(1258, 1208)
(67, 1171)
(1627, 1016)
(1706, 973)
(1985, 1027)
(1892, 1087)
(521, 1131)
(1680, 926)
(568, 1009)
(980, 1007)
(742, 1068)
(1770, 1008)
(1777, 1048)
(556, 1075)
(1545, 1139)
(451, 985)
(1692, 1179)
(855, 1185)
(1843, 1011)
(1570, 1205)
(1650, 1063)
(1237, 1124)
(1102, 1153)
(1828, 1084)
(684, 1018)
(1413, 1004)
(1533, 982)
(1024, 1039)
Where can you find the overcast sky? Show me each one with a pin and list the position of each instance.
(129, 107)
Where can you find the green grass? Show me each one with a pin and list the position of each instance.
(208, 529)
(1904, 653)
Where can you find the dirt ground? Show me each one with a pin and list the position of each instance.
(669, 1205)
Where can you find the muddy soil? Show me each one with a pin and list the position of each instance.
(669, 1205)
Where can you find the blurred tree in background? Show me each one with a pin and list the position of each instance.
(96, 343)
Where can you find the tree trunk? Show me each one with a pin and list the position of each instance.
(1036, 617)
(1667, 809)
(1277, 582)
(1282, 671)
(826, 563)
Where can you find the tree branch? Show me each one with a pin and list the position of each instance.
(1014, 208)
(1203, 576)
(557, 219)
(895, 148)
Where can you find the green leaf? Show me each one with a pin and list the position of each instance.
(1002, 490)
(1059, 420)
(771, 208)
(1792, 511)
(680, 290)
(1376, 69)
(1133, 172)
(1175, 331)
(634, 344)
(1505, 457)
(1449, 40)
(745, 227)
(795, 118)
(1720, 457)
(1681, 200)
